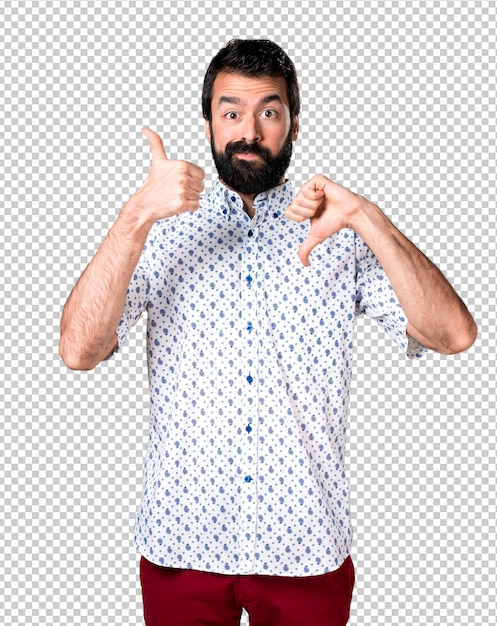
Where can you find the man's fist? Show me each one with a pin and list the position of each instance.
(329, 206)
(171, 187)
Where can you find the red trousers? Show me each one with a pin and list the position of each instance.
(181, 597)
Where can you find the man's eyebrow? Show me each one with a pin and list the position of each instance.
(273, 97)
(229, 100)
(266, 100)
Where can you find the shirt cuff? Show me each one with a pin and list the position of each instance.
(396, 327)
(410, 346)
(123, 331)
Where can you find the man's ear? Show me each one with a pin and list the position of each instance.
(296, 128)
(208, 130)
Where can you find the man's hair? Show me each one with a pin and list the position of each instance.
(253, 58)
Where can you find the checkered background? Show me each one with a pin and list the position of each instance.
(399, 104)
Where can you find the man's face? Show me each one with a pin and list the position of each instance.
(251, 132)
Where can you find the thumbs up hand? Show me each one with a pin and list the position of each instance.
(171, 187)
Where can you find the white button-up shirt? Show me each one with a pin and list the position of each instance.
(250, 358)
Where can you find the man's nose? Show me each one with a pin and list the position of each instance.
(251, 130)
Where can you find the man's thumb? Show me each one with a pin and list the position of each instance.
(306, 248)
(156, 145)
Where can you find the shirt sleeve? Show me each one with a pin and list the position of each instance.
(376, 298)
(136, 300)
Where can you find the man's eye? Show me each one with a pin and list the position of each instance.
(231, 115)
(268, 113)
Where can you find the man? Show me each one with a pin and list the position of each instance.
(249, 354)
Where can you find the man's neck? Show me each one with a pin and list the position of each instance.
(248, 200)
(248, 203)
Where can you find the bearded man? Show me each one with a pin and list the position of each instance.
(249, 348)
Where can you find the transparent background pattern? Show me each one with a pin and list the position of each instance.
(399, 105)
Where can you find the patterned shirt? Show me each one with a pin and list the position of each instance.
(250, 362)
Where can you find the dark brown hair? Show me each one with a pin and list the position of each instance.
(252, 57)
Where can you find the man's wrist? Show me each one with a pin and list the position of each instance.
(135, 217)
(365, 215)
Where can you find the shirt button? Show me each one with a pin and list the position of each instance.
(248, 428)
(249, 326)
(249, 280)
(248, 479)
(250, 380)
(250, 233)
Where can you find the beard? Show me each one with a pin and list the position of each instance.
(251, 177)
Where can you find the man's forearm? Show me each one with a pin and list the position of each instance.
(437, 317)
(94, 308)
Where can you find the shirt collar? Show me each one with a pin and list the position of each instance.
(271, 203)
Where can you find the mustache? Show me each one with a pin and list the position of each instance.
(243, 147)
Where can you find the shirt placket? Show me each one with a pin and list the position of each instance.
(250, 380)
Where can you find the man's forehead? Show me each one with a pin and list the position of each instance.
(231, 87)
